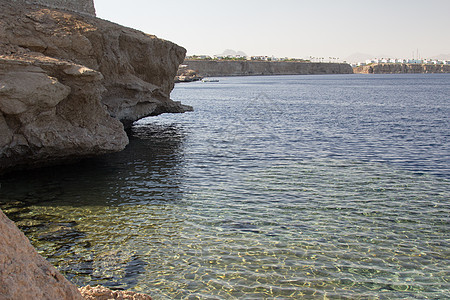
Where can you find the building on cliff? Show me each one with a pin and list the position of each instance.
(405, 68)
(79, 6)
(405, 61)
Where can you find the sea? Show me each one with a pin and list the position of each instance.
(275, 187)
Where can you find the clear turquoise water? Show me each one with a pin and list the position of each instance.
(275, 187)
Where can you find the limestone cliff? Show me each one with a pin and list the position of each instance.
(401, 69)
(50, 111)
(246, 68)
(66, 80)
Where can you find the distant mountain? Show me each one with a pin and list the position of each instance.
(386, 56)
(231, 52)
(358, 57)
(441, 57)
(362, 57)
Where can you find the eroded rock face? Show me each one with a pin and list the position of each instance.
(138, 68)
(51, 111)
(67, 79)
(80, 6)
(24, 274)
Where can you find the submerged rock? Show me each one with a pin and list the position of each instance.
(102, 293)
(70, 83)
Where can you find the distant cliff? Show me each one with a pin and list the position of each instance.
(401, 69)
(248, 68)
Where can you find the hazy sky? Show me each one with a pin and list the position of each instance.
(292, 28)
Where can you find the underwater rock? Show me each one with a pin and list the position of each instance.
(102, 293)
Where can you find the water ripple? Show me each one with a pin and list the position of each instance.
(274, 188)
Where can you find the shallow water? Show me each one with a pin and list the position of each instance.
(275, 187)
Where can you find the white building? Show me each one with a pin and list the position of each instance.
(260, 58)
(404, 61)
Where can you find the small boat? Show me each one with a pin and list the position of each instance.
(210, 80)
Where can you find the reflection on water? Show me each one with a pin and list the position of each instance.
(149, 169)
(84, 217)
(340, 190)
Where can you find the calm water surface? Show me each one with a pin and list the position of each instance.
(275, 187)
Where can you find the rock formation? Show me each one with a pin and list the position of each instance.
(246, 68)
(66, 80)
(50, 111)
(102, 293)
(24, 274)
(186, 75)
(80, 6)
(401, 69)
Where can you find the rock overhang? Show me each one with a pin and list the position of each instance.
(113, 74)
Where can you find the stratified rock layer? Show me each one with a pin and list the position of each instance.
(50, 111)
(24, 274)
(249, 68)
(401, 69)
(66, 80)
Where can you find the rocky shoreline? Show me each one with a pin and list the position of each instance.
(71, 83)
(386, 68)
(24, 274)
(186, 75)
